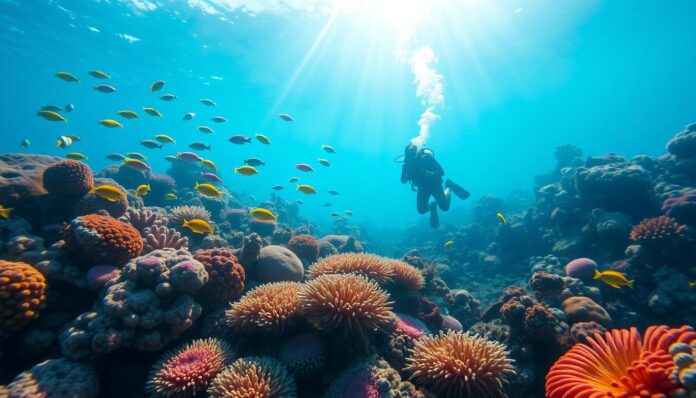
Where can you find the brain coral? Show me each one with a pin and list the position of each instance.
(22, 294)
(304, 355)
(456, 364)
(348, 303)
(581, 268)
(254, 377)
(55, 378)
(269, 308)
(619, 364)
(103, 240)
(226, 276)
(188, 370)
(68, 177)
(583, 309)
(305, 247)
(374, 267)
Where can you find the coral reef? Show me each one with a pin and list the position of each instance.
(22, 294)
(275, 264)
(55, 378)
(102, 239)
(581, 268)
(21, 178)
(254, 377)
(181, 213)
(159, 237)
(583, 309)
(306, 247)
(68, 177)
(270, 308)
(374, 378)
(304, 355)
(369, 265)
(226, 276)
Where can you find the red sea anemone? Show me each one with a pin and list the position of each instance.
(270, 308)
(254, 377)
(619, 364)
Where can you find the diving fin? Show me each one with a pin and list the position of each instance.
(461, 193)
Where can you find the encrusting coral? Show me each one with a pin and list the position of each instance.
(22, 294)
(103, 239)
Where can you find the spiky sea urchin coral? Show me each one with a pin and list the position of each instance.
(188, 370)
(369, 265)
(181, 213)
(269, 308)
(405, 275)
(350, 303)
(618, 364)
(254, 377)
(456, 364)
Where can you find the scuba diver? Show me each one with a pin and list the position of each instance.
(425, 174)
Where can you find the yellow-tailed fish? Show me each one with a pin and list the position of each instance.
(306, 189)
(51, 116)
(263, 139)
(262, 214)
(614, 279)
(208, 190)
(110, 123)
(152, 112)
(116, 157)
(63, 141)
(136, 164)
(246, 170)
(76, 156)
(142, 190)
(68, 77)
(170, 196)
(157, 85)
(111, 193)
(5, 211)
(128, 114)
(449, 244)
(99, 74)
(165, 139)
(208, 164)
(501, 218)
(198, 226)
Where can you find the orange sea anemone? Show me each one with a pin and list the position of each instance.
(254, 377)
(369, 265)
(619, 364)
(405, 275)
(270, 308)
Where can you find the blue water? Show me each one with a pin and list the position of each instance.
(520, 78)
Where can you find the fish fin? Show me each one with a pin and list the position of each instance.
(236, 170)
(197, 185)
(185, 224)
(630, 284)
(597, 274)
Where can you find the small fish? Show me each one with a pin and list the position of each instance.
(210, 177)
(348, 212)
(293, 179)
(449, 244)
(188, 157)
(692, 284)
(614, 279)
(218, 119)
(254, 162)
(206, 129)
(341, 219)
(239, 139)
(189, 116)
(68, 77)
(117, 157)
(75, 138)
(199, 146)
(157, 85)
(263, 139)
(168, 97)
(286, 117)
(334, 193)
(104, 88)
(277, 187)
(198, 226)
(142, 190)
(328, 149)
(63, 141)
(208, 102)
(136, 155)
(208, 164)
(152, 112)
(327, 204)
(165, 139)
(501, 218)
(136, 164)
(299, 202)
(76, 156)
(24, 144)
(171, 158)
(150, 144)
(5, 211)
(170, 196)
(262, 214)
(128, 114)
(304, 167)
(246, 170)
(306, 189)
(69, 108)
(99, 74)
(324, 162)
(334, 214)
(111, 193)
(51, 116)
(110, 123)
(52, 108)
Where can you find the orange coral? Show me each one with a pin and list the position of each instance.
(103, 240)
(226, 276)
(369, 265)
(658, 230)
(254, 377)
(22, 294)
(406, 276)
(619, 365)
(269, 308)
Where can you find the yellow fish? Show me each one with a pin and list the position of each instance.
(502, 219)
(76, 156)
(306, 189)
(152, 112)
(136, 155)
(63, 141)
(263, 139)
(68, 77)
(614, 279)
(198, 226)
(449, 244)
(142, 190)
(246, 170)
(262, 214)
(128, 114)
(110, 123)
(692, 284)
(165, 139)
(5, 211)
(208, 164)
(170, 196)
(51, 116)
(109, 192)
(208, 190)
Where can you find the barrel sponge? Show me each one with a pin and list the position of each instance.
(68, 177)
(103, 240)
(22, 294)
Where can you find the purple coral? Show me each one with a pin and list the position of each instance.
(145, 217)
(682, 208)
(581, 268)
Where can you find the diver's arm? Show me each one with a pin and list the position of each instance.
(434, 168)
(404, 174)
